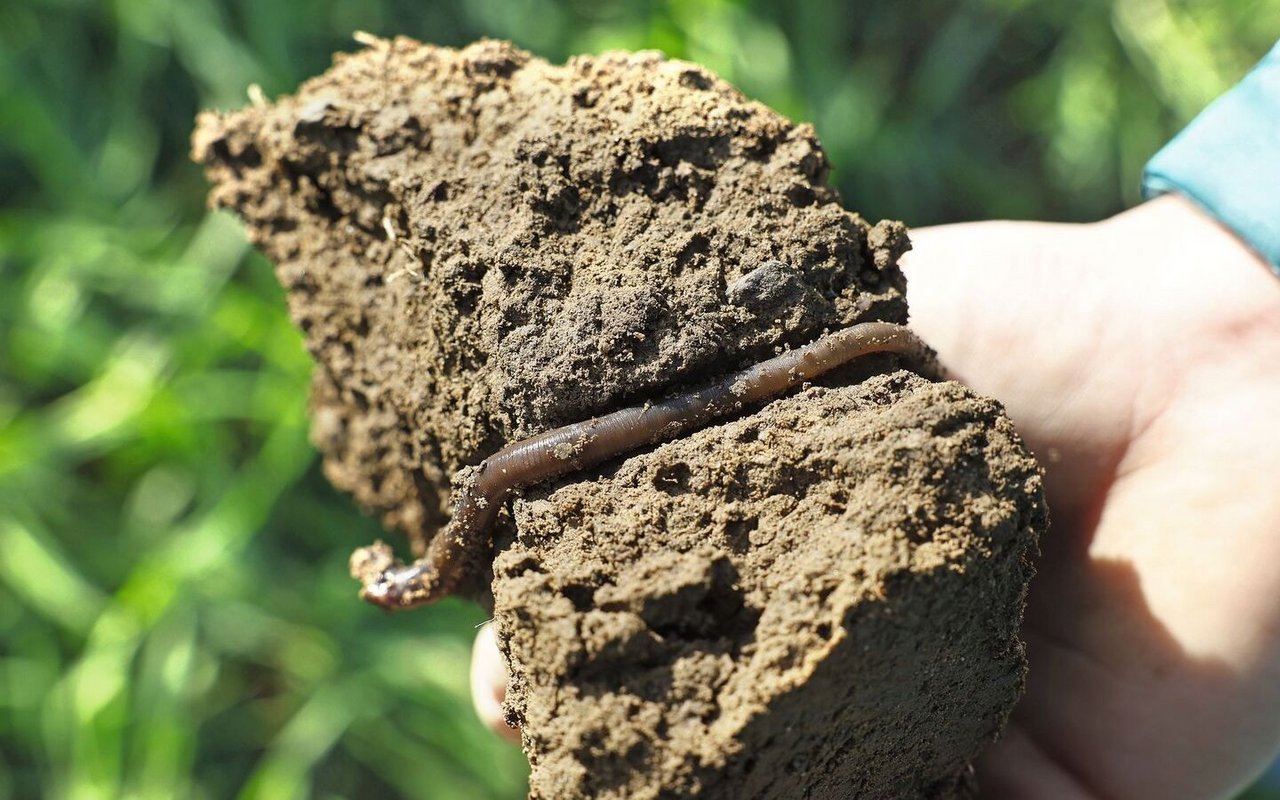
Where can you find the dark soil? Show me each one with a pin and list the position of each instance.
(818, 599)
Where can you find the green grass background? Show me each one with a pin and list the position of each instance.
(175, 615)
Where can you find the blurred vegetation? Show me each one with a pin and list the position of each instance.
(175, 615)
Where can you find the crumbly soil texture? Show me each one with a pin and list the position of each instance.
(819, 598)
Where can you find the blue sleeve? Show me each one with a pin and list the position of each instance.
(1228, 160)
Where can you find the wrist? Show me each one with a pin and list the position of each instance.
(1216, 297)
(1197, 308)
(1178, 247)
(1178, 228)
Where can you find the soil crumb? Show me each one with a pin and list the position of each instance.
(819, 599)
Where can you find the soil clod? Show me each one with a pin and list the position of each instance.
(817, 598)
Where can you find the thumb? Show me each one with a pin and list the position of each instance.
(489, 683)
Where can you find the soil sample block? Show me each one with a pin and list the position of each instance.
(819, 597)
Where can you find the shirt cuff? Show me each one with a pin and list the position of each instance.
(1227, 160)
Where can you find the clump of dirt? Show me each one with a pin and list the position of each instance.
(821, 597)
(480, 245)
(818, 600)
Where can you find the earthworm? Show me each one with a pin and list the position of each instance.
(582, 445)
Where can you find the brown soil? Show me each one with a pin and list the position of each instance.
(819, 599)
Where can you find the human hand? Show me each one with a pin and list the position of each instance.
(1140, 358)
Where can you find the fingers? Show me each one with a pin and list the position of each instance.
(489, 683)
